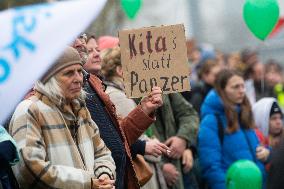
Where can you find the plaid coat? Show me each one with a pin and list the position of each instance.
(49, 156)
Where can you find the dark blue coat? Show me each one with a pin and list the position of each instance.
(215, 158)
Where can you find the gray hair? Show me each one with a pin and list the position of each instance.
(53, 90)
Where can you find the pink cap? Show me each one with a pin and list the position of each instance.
(105, 42)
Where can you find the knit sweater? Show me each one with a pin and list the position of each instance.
(108, 133)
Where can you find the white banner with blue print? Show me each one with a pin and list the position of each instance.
(32, 38)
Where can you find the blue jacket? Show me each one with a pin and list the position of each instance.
(216, 158)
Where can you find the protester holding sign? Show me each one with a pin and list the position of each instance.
(60, 145)
(118, 134)
(112, 71)
(156, 56)
(227, 130)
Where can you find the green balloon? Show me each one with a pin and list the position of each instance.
(131, 7)
(261, 16)
(243, 174)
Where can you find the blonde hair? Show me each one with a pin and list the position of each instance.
(111, 58)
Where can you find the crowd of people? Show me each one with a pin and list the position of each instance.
(77, 129)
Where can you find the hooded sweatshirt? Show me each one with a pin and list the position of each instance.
(261, 112)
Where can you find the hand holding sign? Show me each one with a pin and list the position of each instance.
(153, 101)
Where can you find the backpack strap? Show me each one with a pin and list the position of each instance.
(220, 128)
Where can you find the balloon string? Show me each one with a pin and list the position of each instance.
(259, 48)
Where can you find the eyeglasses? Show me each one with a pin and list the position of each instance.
(83, 37)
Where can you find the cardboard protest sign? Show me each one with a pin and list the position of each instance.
(154, 56)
